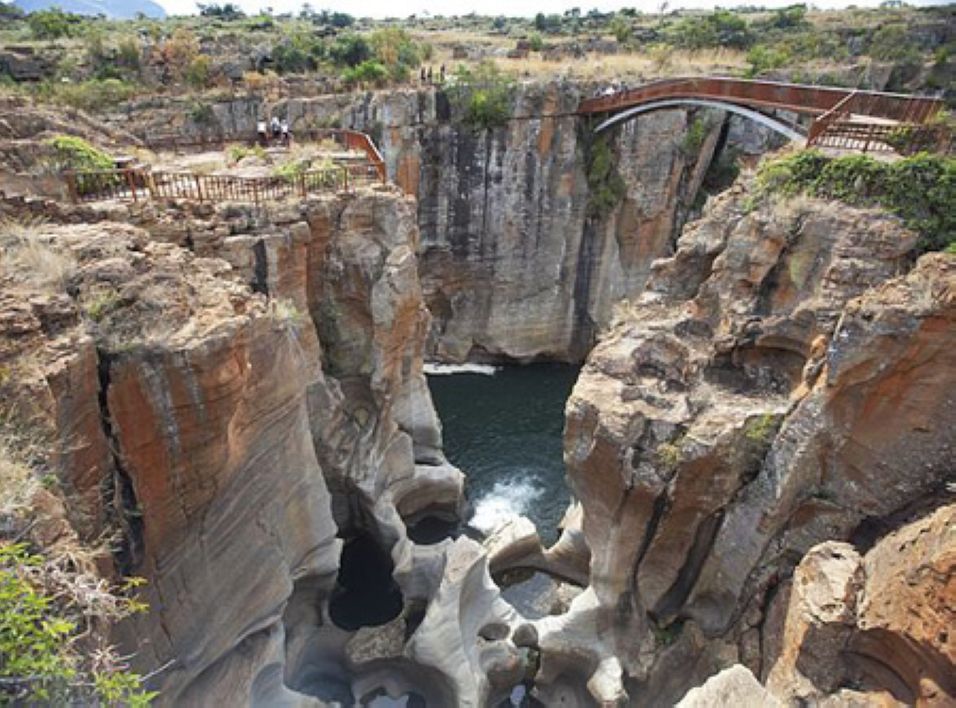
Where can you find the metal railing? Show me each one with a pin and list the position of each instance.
(846, 118)
(135, 184)
(798, 98)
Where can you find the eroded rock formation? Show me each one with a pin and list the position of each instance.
(229, 408)
(775, 387)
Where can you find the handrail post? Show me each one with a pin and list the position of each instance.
(130, 182)
(198, 187)
(346, 171)
(71, 186)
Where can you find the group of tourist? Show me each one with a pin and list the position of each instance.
(275, 132)
(428, 76)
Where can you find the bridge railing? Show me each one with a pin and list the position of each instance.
(798, 98)
(139, 184)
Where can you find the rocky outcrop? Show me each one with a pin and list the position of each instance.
(732, 687)
(873, 628)
(773, 388)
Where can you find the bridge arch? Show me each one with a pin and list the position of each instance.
(772, 123)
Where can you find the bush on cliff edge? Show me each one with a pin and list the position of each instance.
(920, 189)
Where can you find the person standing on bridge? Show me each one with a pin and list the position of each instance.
(262, 133)
(286, 135)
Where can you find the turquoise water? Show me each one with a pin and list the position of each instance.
(504, 431)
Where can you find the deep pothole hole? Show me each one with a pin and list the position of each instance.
(365, 593)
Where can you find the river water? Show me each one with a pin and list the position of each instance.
(503, 427)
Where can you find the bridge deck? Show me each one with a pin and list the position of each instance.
(798, 98)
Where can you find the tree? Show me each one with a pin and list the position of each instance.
(228, 12)
(180, 51)
(10, 12)
(621, 29)
(396, 50)
(350, 50)
(789, 17)
(52, 24)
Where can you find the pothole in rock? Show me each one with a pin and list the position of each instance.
(408, 700)
(429, 529)
(520, 697)
(535, 594)
(365, 593)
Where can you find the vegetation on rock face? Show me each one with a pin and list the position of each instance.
(47, 609)
(921, 189)
(606, 187)
(73, 153)
(56, 608)
(483, 95)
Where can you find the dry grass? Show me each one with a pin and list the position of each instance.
(644, 66)
(18, 483)
(30, 255)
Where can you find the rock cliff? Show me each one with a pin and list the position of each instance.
(774, 387)
(515, 261)
(232, 394)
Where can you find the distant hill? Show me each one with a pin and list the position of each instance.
(117, 9)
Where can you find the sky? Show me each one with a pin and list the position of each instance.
(512, 8)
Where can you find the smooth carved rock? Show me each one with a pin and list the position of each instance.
(227, 423)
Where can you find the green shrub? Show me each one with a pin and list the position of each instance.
(350, 50)
(95, 94)
(53, 24)
(290, 171)
(761, 429)
(790, 17)
(128, 54)
(721, 28)
(536, 42)
(238, 152)
(763, 58)
(695, 136)
(73, 153)
(226, 12)
(199, 71)
(202, 113)
(40, 622)
(395, 50)
(621, 29)
(297, 53)
(368, 72)
(893, 43)
(483, 95)
(606, 187)
(921, 189)
(547, 23)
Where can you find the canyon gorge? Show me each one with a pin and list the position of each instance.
(759, 447)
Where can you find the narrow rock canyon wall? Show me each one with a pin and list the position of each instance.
(778, 384)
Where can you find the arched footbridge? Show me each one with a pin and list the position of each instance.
(832, 117)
